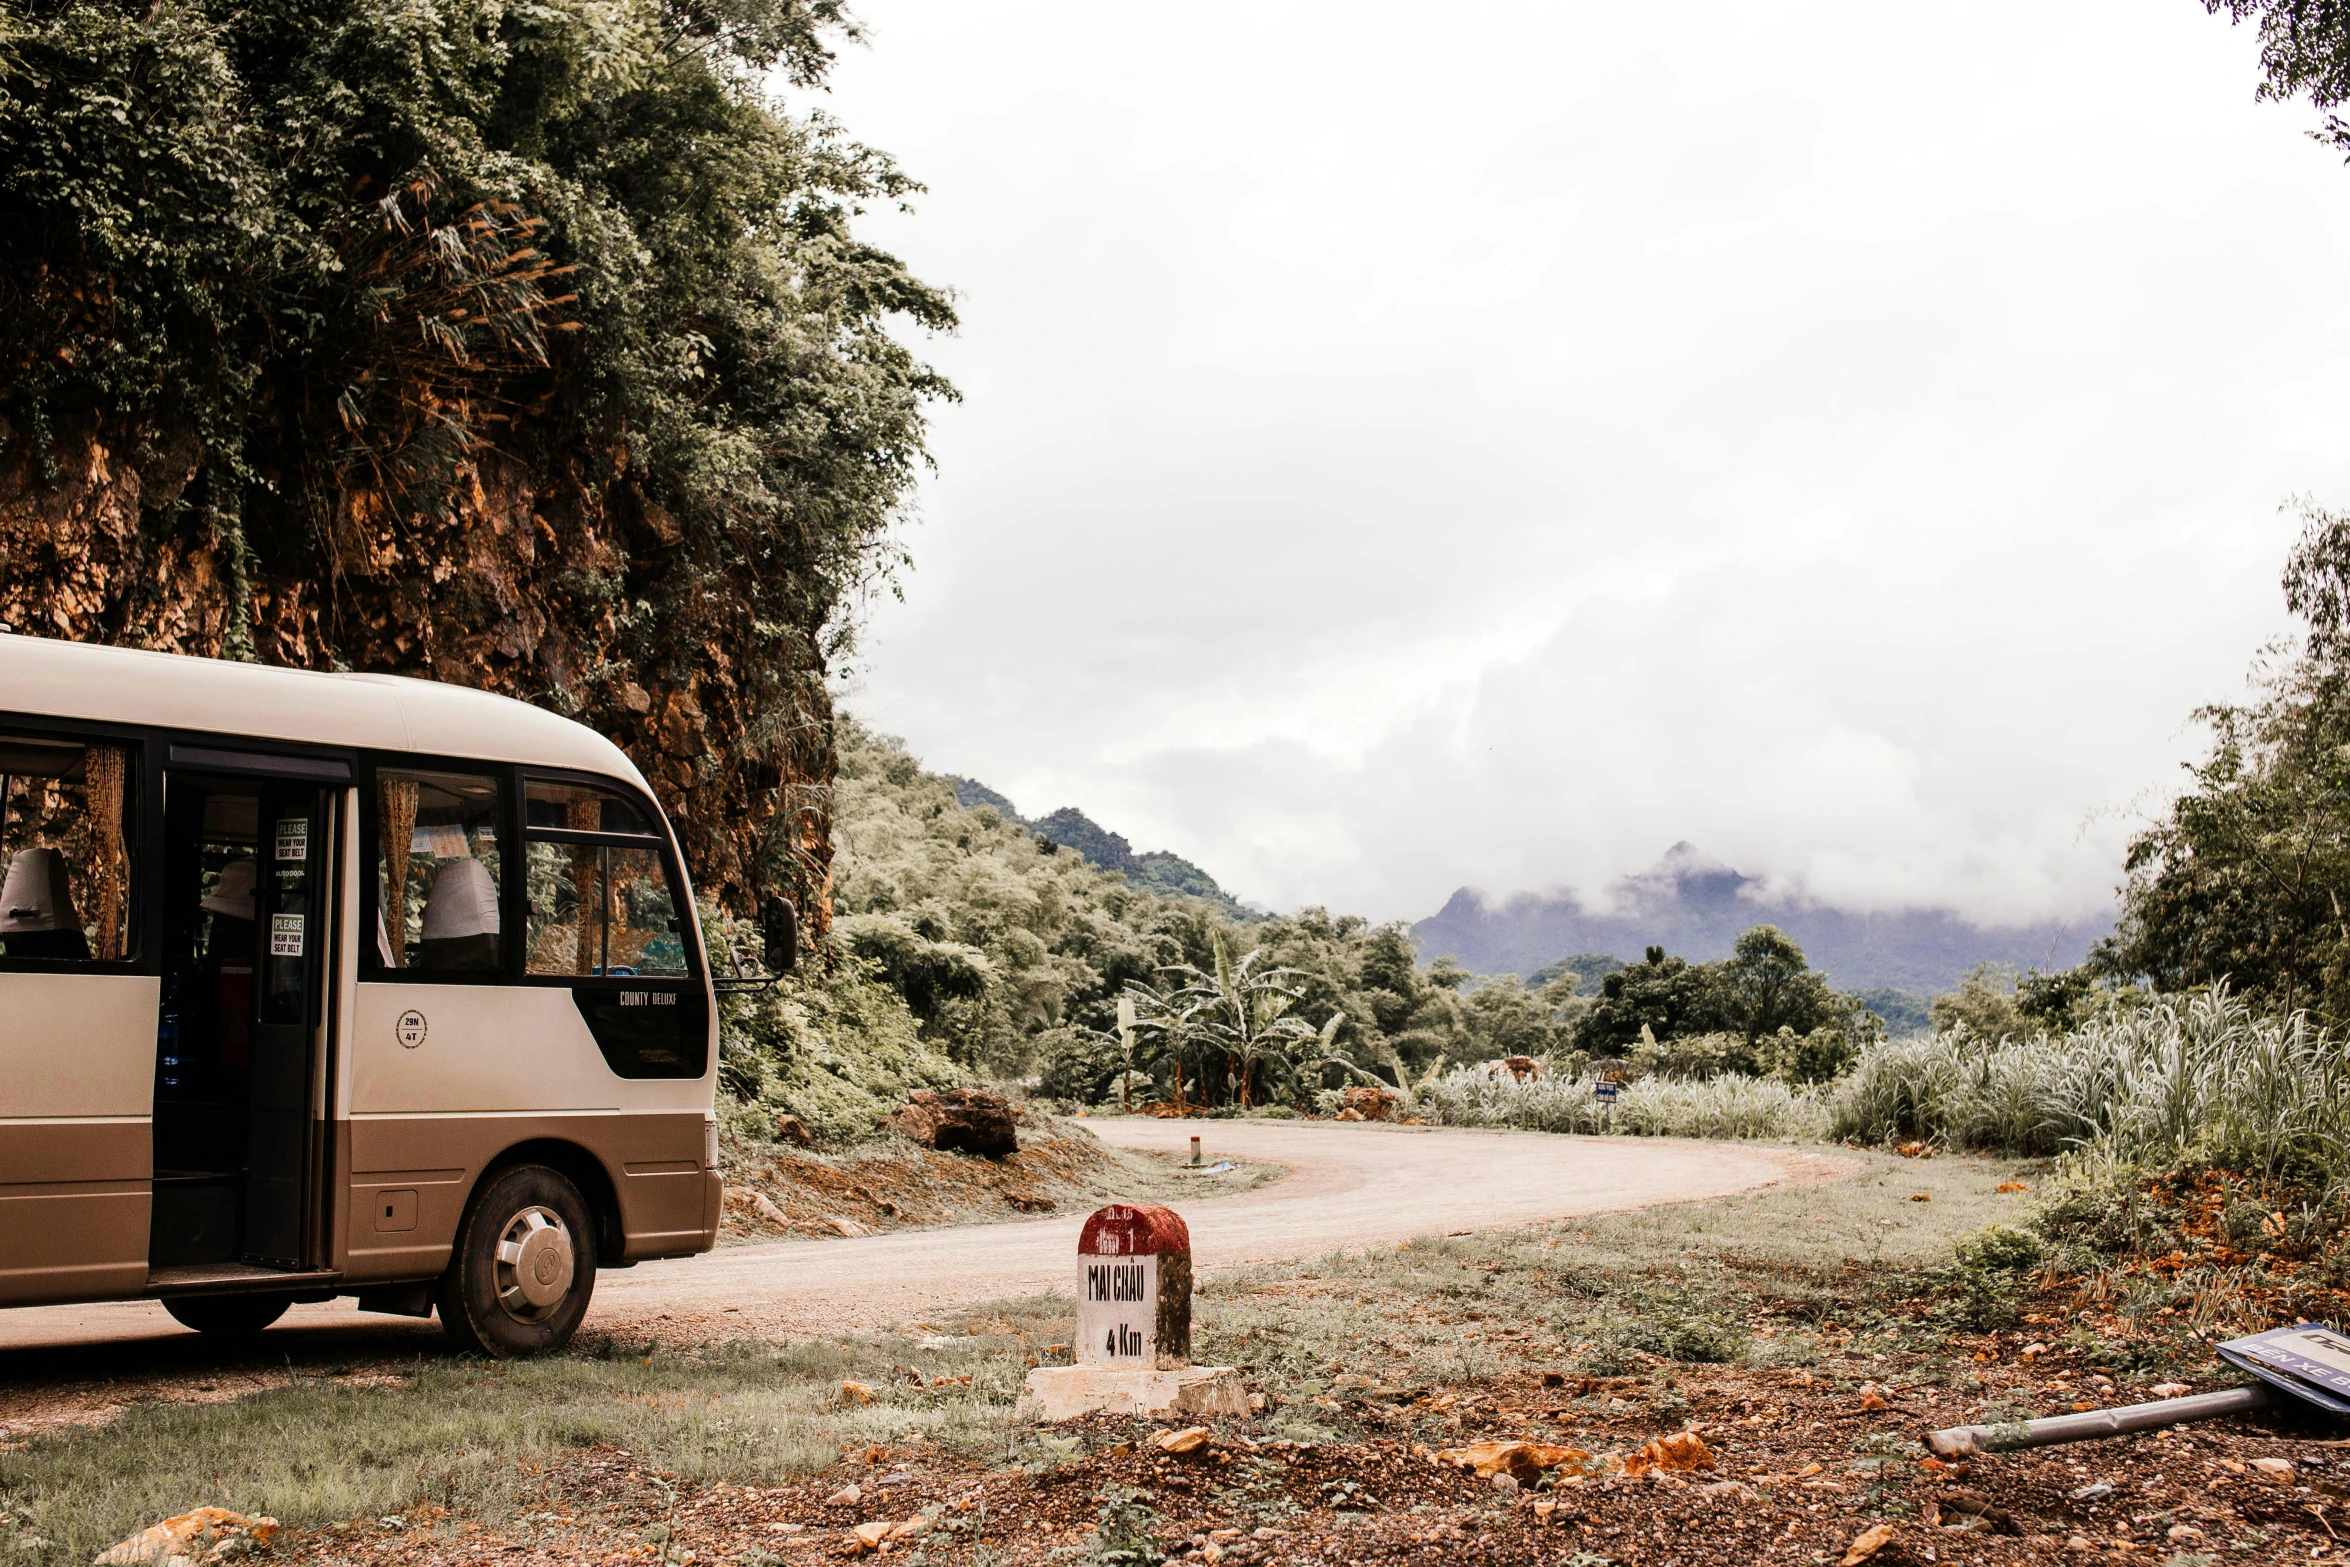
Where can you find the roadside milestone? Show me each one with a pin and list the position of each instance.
(1134, 1326)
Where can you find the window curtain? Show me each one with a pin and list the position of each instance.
(396, 806)
(587, 815)
(103, 768)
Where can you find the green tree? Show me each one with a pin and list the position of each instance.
(2244, 879)
(1240, 1012)
(1503, 1018)
(1765, 986)
(1668, 996)
(1983, 1003)
(2304, 52)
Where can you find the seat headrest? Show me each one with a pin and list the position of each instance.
(232, 895)
(36, 896)
(463, 902)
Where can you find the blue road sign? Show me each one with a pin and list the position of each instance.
(2310, 1361)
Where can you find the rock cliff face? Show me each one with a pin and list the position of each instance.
(530, 584)
(1696, 907)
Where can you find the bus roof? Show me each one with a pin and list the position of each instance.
(119, 685)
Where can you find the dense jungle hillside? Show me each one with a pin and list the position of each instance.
(529, 347)
(1013, 950)
(969, 944)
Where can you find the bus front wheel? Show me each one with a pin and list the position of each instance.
(524, 1266)
(227, 1316)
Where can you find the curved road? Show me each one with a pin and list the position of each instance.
(1351, 1185)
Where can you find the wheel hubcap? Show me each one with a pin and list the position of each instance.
(535, 1264)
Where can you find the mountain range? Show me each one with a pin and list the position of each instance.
(1688, 903)
(1155, 870)
(1696, 907)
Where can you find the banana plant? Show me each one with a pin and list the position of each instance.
(1128, 1044)
(1242, 1011)
(1325, 1054)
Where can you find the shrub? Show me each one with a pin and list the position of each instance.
(2198, 1079)
(839, 1052)
(1732, 1106)
(1988, 1265)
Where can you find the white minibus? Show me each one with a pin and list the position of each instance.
(330, 984)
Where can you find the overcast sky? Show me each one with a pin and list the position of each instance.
(1408, 446)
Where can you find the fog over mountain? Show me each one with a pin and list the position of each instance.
(1860, 471)
(1695, 907)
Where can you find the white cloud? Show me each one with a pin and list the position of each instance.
(1849, 439)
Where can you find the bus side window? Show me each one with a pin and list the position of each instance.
(601, 898)
(66, 827)
(437, 870)
(643, 913)
(565, 935)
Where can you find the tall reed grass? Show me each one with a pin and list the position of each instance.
(1731, 1106)
(2202, 1077)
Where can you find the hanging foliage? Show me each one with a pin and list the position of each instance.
(524, 345)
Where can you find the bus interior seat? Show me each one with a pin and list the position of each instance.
(460, 919)
(230, 946)
(37, 918)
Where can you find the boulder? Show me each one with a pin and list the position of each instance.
(1372, 1104)
(961, 1120)
(791, 1129)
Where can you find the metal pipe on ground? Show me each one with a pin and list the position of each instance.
(1965, 1441)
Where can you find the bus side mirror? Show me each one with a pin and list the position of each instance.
(779, 924)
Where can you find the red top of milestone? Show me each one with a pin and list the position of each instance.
(1133, 1229)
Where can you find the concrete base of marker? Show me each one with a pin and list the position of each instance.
(1065, 1392)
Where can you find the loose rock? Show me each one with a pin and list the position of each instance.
(207, 1535)
(1868, 1543)
(961, 1120)
(1523, 1460)
(1683, 1450)
(2276, 1471)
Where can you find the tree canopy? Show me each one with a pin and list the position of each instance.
(2304, 51)
(526, 345)
(2244, 878)
(1763, 989)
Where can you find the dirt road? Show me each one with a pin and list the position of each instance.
(1351, 1186)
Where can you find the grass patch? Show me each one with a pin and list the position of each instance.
(487, 1435)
